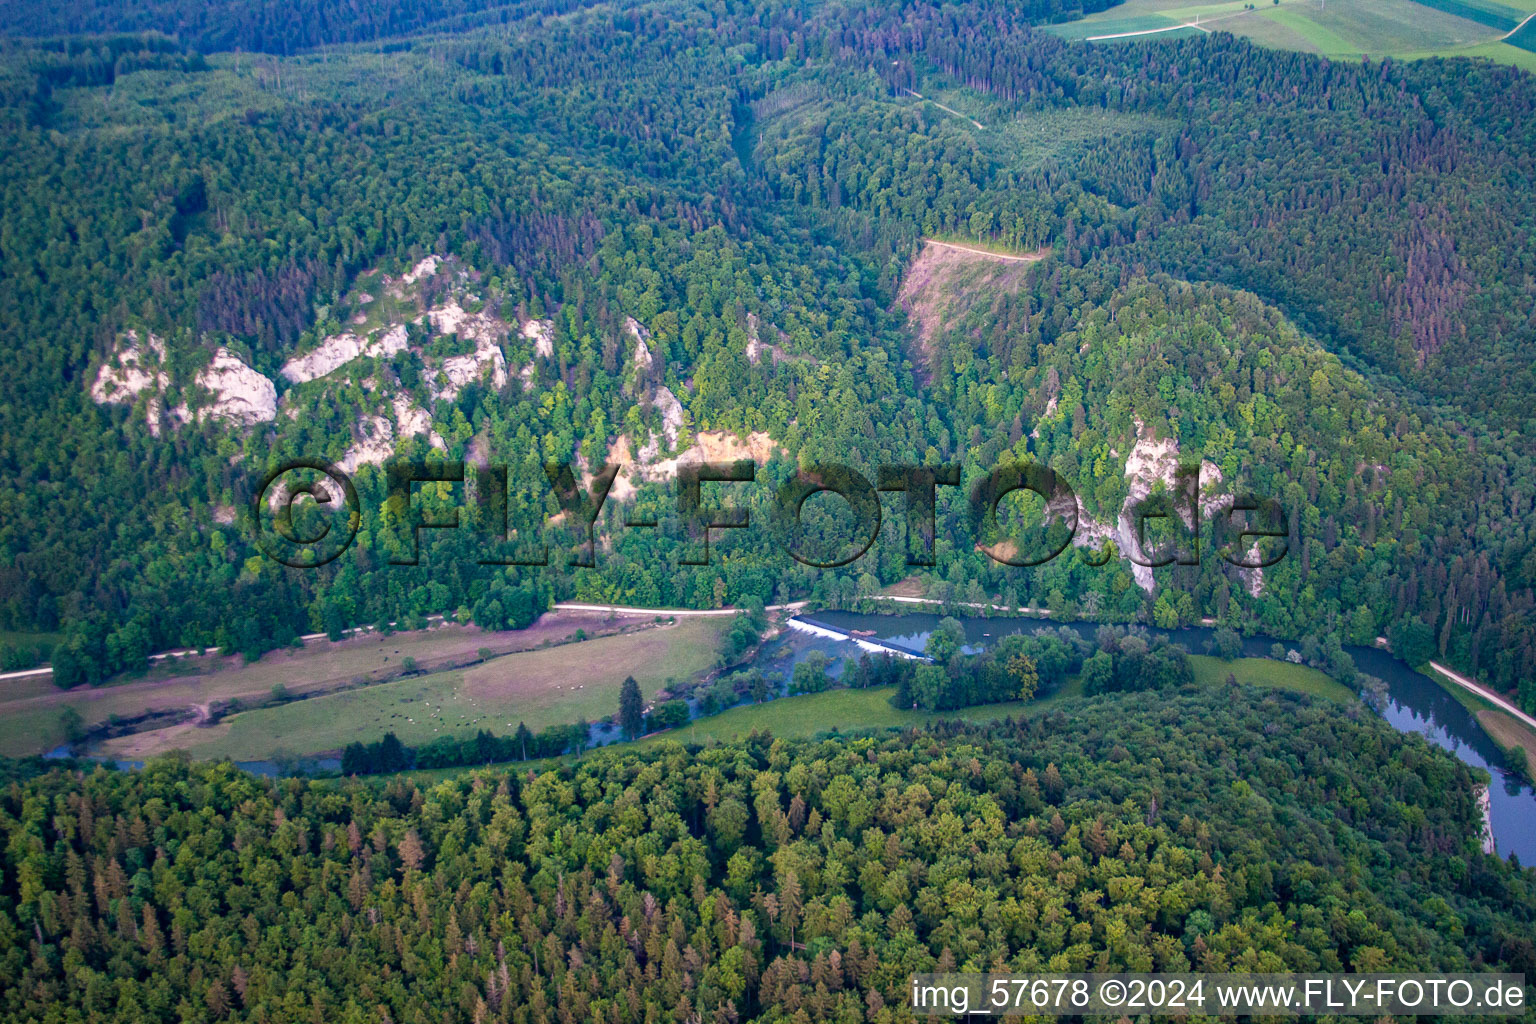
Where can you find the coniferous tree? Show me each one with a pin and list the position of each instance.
(631, 709)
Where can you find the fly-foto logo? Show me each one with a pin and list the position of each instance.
(283, 488)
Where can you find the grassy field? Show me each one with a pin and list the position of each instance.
(1510, 734)
(30, 708)
(1280, 675)
(1337, 28)
(545, 687)
(1503, 53)
(815, 713)
(1507, 731)
(854, 710)
(1316, 37)
(871, 709)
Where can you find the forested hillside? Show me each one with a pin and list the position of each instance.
(766, 881)
(538, 233)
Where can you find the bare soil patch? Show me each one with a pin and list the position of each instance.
(946, 278)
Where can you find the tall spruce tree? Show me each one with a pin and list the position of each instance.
(631, 708)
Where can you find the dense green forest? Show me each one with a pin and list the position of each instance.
(738, 178)
(766, 880)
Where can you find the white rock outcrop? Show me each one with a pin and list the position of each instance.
(340, 349)
(1148, 463)
(542, 334)
(411, 419)
(377, 444)
(423, 269)
(457, 371)
(240, 394)
(642, 336)
(709, 446)
(134, 369)
(754, 343)
(671, 414)
(378, 437)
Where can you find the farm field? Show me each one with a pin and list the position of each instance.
(540, 688)
(1336, 28)
(30, 707)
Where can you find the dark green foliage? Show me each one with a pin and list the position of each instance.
(1412, 640)
(1225, 643)
(810, 676)
(946, 640)
(743, 635)
(390, 755)
(72, 724)
(1248, 832)
(879, 670)
(1128, 660)
(384, 756)
(631, 709)
(731, 690)
(486, 748)
(996, 675)
(19, 657)
(703, 170)
(667, 715)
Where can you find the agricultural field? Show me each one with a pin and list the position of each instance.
(540, 688)
(1336, 28)
(30, 707)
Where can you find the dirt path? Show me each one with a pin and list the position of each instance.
(1147, 32)
(1488, 695)
(900, 599)
(624, 609)
(947, 110)
(311, 669)
(1029, 257)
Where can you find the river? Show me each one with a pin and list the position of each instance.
(1415, 703)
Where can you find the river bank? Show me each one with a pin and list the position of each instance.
(1413, 702)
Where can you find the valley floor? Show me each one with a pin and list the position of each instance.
(189, 689)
